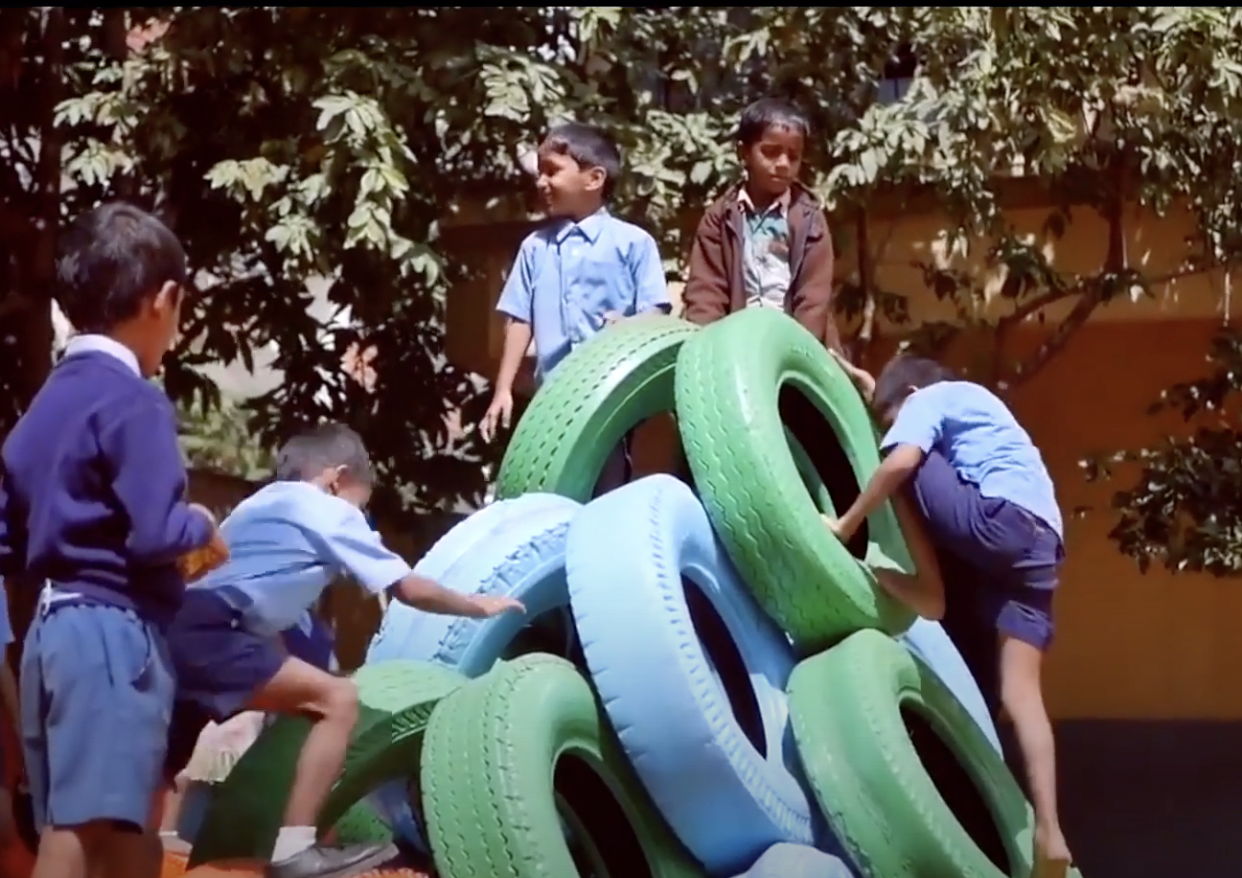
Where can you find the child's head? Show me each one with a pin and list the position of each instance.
(331, 457)
(903, 375)
(578, 170)
(771, 138)
(120, 272)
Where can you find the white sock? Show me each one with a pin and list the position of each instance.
(291, 841)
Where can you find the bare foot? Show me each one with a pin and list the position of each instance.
(1052, 855)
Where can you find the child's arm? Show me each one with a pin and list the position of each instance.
(924, 591)
(361, 552)
(706, 296)
(812, 299)
(650, 285)
(917, 428)
(148, 478)
(517, 304)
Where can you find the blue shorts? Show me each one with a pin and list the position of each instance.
(220, 667)
(96, 695)
(315, 648)
(1009, 558)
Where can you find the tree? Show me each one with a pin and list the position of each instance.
(286, 144)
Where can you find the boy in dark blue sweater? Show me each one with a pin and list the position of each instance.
(92, 501)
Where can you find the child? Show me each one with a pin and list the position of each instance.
(765, 242)
(287, 542)
(92, 502)
(576, 275)
(989, 503)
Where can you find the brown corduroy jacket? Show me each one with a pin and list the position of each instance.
(716, 285)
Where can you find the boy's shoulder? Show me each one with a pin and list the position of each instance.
(300, 503)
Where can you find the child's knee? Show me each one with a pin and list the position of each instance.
(340, 701)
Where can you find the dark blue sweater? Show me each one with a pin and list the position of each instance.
(92, 495)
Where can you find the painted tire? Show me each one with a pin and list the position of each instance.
(519, 756)
(514, 547)
(797, 861)
(741, 384)
(703, 697)
(929, 641)
(245, 812)
(597, 394)
(859, 711)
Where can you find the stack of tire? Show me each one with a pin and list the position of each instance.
(706, 681)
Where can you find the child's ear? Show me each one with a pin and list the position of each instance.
(596, 177)
(168, 297)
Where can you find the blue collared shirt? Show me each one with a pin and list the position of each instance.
(983, 441)
(568, 275)
(287, 542)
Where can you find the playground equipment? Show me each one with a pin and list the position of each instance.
(707, 683)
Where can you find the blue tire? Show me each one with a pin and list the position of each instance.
(928, 641)
(690, 671)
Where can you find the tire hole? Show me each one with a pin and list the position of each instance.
(823, 464)
(601, 840)
(722, 650)
(957, 788)
(552, 632)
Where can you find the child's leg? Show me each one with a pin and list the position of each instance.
(923, 591)
(95, 689)
(225, 669)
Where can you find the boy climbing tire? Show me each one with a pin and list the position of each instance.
(858, 712)
(520, 777)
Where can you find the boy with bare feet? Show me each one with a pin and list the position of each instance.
(989, 504)
(286, 543)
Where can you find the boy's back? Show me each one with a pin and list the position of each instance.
(91, 473)
(287, 542)
(980, 437)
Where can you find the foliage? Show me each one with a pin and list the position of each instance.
(219, 438)
(1184, 510)
(286, 144)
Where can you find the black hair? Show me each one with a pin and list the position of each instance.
(330, 445)
(904, 372)
(110, 260)
(768, 113)
(590, 147)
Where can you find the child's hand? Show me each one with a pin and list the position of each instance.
(499, 413)
(491, 605)
(839, 530)
(863, 380)
(611, 317)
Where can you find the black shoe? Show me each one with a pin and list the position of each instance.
(327, 862)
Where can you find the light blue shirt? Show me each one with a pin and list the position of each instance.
(568, 275)
(980, 437)
(287, 542)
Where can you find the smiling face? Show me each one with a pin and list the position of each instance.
(567, 188)
(774, 160)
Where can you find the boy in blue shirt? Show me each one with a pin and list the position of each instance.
(583, 271)
(286, 543)
(991, 510)
(92, 501)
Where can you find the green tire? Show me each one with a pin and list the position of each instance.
(245, 813)
(761, 494)
(853, 710)
(517, 761)
(600, 392)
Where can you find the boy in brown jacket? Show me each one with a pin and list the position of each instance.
(765, 242)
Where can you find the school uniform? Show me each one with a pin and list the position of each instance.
(567, 277)
(92, 501)
(991, 507)
(287, 542)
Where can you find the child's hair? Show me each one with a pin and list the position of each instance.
(904, 372)
(768, 113)
(590, 147)
(327, 446)
(110, 260)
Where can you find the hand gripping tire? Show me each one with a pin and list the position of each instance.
(742, 383)
(522, 757)
(597, 394)
(950, 807)
(690, 670)
(245, 813)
